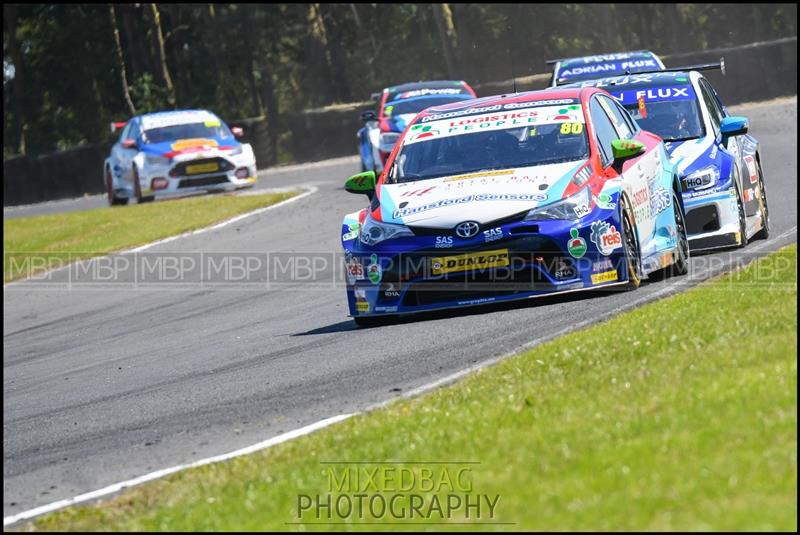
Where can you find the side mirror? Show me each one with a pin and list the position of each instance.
(237, 131)
(626, 148)
(362, 183)
(368, 116)
(733, 126)
(129, 143)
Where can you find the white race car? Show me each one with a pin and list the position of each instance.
(175, 153)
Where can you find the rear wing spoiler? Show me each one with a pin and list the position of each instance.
(376, 96)
(117, 124)
(554, 61)
(699, 67)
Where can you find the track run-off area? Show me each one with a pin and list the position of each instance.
(106, 383)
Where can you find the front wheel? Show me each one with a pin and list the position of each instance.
(137, 188)
(681, 264)
(742, 218)
(113, 200)
(630, 247)
(762, 234)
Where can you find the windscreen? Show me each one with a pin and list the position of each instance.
(484, 141)
(670, 112)
(207, 129)
(416, 105)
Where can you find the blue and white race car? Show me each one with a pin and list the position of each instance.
(510, 197)
(569, 70)
(720, 165)
(397, 106)
(175, 153)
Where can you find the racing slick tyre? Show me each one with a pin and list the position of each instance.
(762, 234)
(137, 188)
(742, 219)
(630, 247)
(113, 200)
(681, 264)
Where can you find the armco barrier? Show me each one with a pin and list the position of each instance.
(757, 71)
(65, 174)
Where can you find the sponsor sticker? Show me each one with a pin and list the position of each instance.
(660, 200)
(479, 175)
(606, 237)
(581, 210)
(751, 168)
(362, 305)
(417, 192)
(576, 246)
(374, 270)
(655, 94)
(470, 261)
(354, 270)
(493, 234)
(202, 168)
(603, 201)
(606, 276)
(481, 197)
(602, 265)
(188, 145)
(444, 242)
(500, 120)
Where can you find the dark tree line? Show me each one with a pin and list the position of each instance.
(71, 69)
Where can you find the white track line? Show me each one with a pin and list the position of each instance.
(310, 190)
(116, 487)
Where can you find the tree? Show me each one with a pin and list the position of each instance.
(126, 94)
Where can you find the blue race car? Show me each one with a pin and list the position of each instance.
(569, 70)
(510, 197)
(719, 164)
(398, 105)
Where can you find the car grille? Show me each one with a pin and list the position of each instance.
(204, 181)
(529, 258)
(181, 169)
(702, 219)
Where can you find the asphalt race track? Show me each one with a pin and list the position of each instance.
(104, 383)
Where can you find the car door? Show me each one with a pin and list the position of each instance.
(128, 154)
(733, 147)
(635, 179)
(121, 157)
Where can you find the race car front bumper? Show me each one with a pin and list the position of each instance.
(522, 259)
(712, 219)
(207, 172)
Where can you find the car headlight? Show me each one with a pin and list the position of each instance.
(573, 207)
(388, 140)
(702, 179)
(156, 160)
(373, 232)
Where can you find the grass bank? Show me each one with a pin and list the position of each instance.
(680, 415)
(34, 244)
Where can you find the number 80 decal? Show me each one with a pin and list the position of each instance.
(571, 128)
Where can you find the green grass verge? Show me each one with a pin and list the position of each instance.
(34, 244)
(681, 414)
